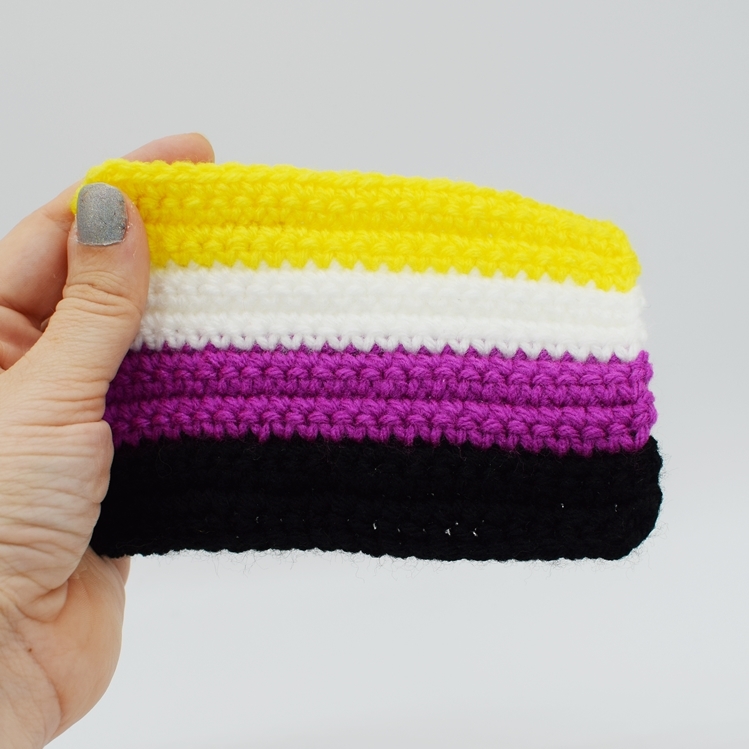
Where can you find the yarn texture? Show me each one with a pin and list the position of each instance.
(253, 214)
(389, 365)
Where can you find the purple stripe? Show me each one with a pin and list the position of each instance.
(485, 400)
(571, 428)
(517, 381)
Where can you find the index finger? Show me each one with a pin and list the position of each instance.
(33, 257)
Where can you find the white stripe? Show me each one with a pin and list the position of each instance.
(309, 306)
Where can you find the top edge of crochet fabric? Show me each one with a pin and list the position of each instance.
(271, 215)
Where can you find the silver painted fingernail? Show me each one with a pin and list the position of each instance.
(102, 215)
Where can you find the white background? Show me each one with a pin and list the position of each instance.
(631, 111)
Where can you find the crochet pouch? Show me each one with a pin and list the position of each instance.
(395, 366)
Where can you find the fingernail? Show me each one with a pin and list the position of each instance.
(102, 215)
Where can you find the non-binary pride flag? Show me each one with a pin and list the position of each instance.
(389, 365)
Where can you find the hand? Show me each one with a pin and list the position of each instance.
(68, 313)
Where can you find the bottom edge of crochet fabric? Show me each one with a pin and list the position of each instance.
(443, 502)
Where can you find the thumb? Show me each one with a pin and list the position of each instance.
(99, 314)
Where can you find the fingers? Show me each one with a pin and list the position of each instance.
(70, 367)
(187, 147)
(122, 564)
(17, 336)
(32, 259)
(80, 649)
(33, 265)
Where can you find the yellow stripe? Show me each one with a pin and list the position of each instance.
(225, 213)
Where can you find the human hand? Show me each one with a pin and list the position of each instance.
(68, 313)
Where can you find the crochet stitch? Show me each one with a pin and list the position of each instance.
(313, 307)
(375, 364)
(446, 502)
(282, 214)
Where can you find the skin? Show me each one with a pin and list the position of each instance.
(68, 314)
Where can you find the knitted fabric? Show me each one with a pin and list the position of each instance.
(377, 364)
(433, 502)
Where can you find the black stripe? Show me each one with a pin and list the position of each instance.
(443, 502)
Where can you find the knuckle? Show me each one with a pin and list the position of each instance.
(104, 293)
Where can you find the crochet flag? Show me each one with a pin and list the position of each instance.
(396, 366)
